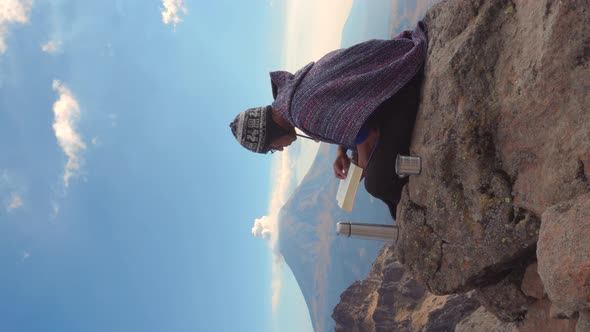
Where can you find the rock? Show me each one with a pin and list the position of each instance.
(583, 322)
(559, 313)
(532, 285)
(503, 131)
(482, 320)
(455, 308)
(357, 302)
(538, 319)
(352, 302)
(505, 299)
(391, 300)
(372, 304)
(564, 254)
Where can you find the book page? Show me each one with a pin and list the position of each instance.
(348, 188)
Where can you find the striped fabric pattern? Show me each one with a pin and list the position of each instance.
(332, 98)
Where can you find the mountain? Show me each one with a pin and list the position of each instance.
(323, 263)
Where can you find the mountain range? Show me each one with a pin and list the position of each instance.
(323, 263)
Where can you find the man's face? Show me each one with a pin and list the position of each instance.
(278, 144)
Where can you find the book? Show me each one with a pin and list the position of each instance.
(348, 187)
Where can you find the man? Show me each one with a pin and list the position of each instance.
(363, 98)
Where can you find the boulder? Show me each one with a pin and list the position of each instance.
(564, 253)
(483, 320)
(503, 131)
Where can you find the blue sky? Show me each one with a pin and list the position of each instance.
(126, 203)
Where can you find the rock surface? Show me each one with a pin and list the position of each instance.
(564, 254)
(391, 300)
(539, 318)
(532, 285)
(584, 322)
(504, 133)
(483, 320)
(505, 299)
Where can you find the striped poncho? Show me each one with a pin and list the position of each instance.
(332, 98)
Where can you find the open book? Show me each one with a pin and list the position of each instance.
(348, 188)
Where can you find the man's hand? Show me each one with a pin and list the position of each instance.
(341, 164)
(366, 148)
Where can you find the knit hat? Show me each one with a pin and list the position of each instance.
(250, 128)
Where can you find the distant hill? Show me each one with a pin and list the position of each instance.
(323, 263)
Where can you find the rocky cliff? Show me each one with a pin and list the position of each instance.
(502, 207)
(390, 299)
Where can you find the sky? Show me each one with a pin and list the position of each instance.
(125, 202)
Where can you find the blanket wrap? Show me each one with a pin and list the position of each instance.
(332, 98)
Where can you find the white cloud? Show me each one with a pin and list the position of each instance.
(13, 186)
(54, 209)
(276, 285)
(263, 227)
(96, 141)
(52, 46)
(267, 227)
(12, 12)
(14, 202)
(172, 10)
(313, 28)
(67, 112)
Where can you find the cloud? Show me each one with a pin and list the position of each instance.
(263, 227)
(13, 187)
(52, 46)
(172, 10)
(12, 12)
(14, 202)
(67, 112)
(54, 209)
(312, 29)
(267, 227)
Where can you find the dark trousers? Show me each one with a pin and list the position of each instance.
(395, 121)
